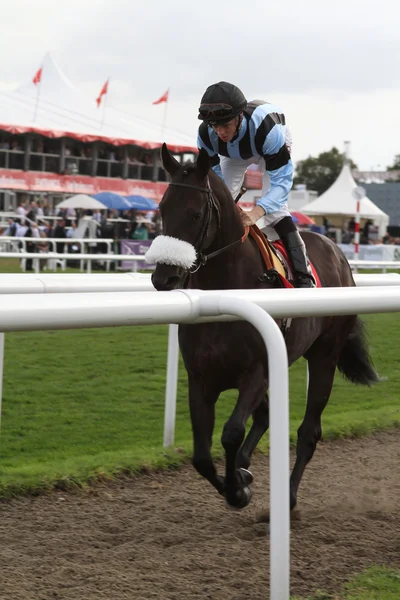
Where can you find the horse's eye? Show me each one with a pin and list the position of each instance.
(194, 215)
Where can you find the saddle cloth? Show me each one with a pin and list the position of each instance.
(275, 257)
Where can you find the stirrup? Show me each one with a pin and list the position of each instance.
(301, 280)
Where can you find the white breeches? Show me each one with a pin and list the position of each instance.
(233, 171)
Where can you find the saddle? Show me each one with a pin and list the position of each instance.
(275, 258)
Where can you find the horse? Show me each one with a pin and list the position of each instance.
(203, 246)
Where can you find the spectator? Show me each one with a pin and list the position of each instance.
(32, 231)
(43, 248)
(70, 215)
(366, 231)
(15, 146)
(327, 224)
(351, 225)
(141, 232)
(12, 228)
(49, 229)
(73, 248)
(39, 209)
(97, 216)
(32, 211)
(72, 233)
(59, 232)
(21, 209)
(157, 223)
(21, 228)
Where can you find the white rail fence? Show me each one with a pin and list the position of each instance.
(53, 257)
(41, 311)
(19, 244)
(88, 258)
(132, 282)
(16, 241)
(379, 265)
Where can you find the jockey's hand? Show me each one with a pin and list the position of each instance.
(251, 217)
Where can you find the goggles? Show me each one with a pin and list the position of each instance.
(217, 111)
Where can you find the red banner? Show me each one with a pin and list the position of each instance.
(36, 181)
(89, 137)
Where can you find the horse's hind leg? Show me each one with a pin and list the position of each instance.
(258, 428)
(202, 412)
(321, 367)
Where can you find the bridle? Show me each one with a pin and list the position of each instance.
(212, 205)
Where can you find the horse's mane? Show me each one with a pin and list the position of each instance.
(217, 184)
(229, 210)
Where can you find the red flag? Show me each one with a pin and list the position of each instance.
(164, 98)
(104, 91)
(38, 76)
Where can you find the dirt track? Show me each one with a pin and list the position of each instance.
(170, 537)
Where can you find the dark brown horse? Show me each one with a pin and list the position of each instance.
(202, 248)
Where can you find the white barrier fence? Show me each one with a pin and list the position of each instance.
(48, 283)
(133, 282)
(52, 257)
(89, 258)
(30, 312)
(16, 241)
(381, 265)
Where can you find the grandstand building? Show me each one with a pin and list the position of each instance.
(54, 141)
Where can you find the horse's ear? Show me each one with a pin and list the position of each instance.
(170, 163)
(203, 163)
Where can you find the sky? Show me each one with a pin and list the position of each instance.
(332, 67)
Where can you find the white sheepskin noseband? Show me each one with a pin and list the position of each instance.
(171, 251)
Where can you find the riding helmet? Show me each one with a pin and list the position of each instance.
(221, 102)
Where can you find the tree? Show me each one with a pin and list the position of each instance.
(396, 164)
(318, 173)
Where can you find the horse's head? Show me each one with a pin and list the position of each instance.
(190, 215)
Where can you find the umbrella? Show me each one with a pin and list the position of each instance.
(142, 203)
(113, 201)
(302, 219)
(82, 201)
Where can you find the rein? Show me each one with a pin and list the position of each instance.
(202, 258)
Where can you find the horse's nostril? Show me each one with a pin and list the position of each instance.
(165, 284)
(173, 282)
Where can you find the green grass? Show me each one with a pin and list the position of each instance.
(378, 583)
(12, 265)
(90, 403)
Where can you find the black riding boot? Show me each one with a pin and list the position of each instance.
(296, 250)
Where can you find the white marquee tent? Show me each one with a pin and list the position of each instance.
(339, 201)
(59, 109)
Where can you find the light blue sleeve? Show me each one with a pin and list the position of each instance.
(282, 177)
(213, 155)
(218, 171)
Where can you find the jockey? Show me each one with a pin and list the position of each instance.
(237, 133)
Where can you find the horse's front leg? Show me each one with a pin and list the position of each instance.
(259, 427)
(202, 412)
(237, 479)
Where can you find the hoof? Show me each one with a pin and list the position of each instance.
(240, 499)
(247, 476)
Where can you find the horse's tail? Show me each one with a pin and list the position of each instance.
(355, 362)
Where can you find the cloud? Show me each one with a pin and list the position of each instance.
(333, 68)
(291, 47)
